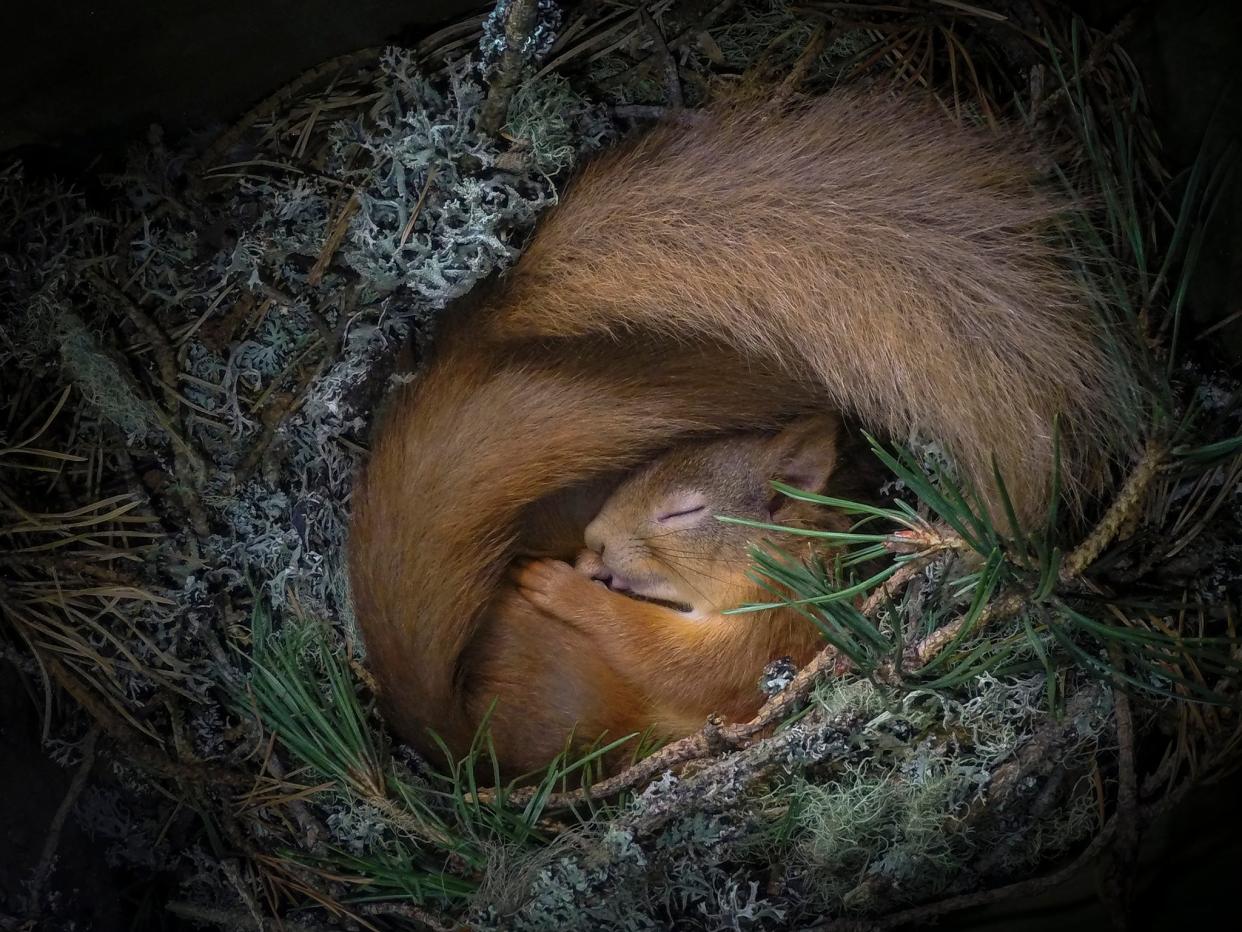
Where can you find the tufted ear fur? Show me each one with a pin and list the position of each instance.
(804, 455)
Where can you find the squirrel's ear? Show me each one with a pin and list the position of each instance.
(806, 452)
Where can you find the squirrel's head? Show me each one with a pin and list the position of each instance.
(657, 537)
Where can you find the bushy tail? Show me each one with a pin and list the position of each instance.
(854, 249)
(905, 263)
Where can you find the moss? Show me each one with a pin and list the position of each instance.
(100, 378)
(553, 124)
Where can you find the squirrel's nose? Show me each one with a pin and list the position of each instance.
(595, 534)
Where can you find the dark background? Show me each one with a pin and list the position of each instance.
(79, 79)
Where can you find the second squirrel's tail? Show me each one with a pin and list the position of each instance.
(907, 264)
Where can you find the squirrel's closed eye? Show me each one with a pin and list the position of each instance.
(685, 507)
(681, 514)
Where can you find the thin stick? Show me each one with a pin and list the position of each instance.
(418, 207)
(926, 650)
(233, 872)
(138, 751)
(1093, 60)
(1124, 506)
(519, 26)
(802, 67)
(275, 419)
(336, 235)
(673, 44)
(161, 346)
(188, 462)
(672, 80)
(404, 910)
(236, 919)
(1118, 867)
(351, 62)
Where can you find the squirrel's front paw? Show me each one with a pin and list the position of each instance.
(553, 587)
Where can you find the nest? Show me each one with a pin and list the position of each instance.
(191, 358)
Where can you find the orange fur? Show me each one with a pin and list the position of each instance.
(657, 537)
(466, 452)
(901, 262)
(856, 252)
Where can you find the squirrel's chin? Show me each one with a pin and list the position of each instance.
(654, 590)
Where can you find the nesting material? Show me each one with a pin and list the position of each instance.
(191, 359)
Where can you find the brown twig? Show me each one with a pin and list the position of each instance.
(802, 67)
(672, 79)
(188, 461)
(1101, 48)
(723, 781)
(1131, 497)
(1039, 763)
(520, 25)
(332, 242)
(404, 910)
(922, 653)
(138, 751)
(275, 418)
(418, 207)
(1118, 867)
(673, 44)
(233, 919)
(638, 112)
(312, 830)
(349, 63)
(161, 346)
(233, 872)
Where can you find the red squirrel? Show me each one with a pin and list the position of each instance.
(660, 570)
(857, 253)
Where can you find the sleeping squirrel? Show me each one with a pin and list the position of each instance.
(855, 253)
(660, 569)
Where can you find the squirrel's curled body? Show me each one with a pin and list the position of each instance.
(855, 252)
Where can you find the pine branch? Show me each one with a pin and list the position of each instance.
(1129, 500)
(717, 738)
(723, 782)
